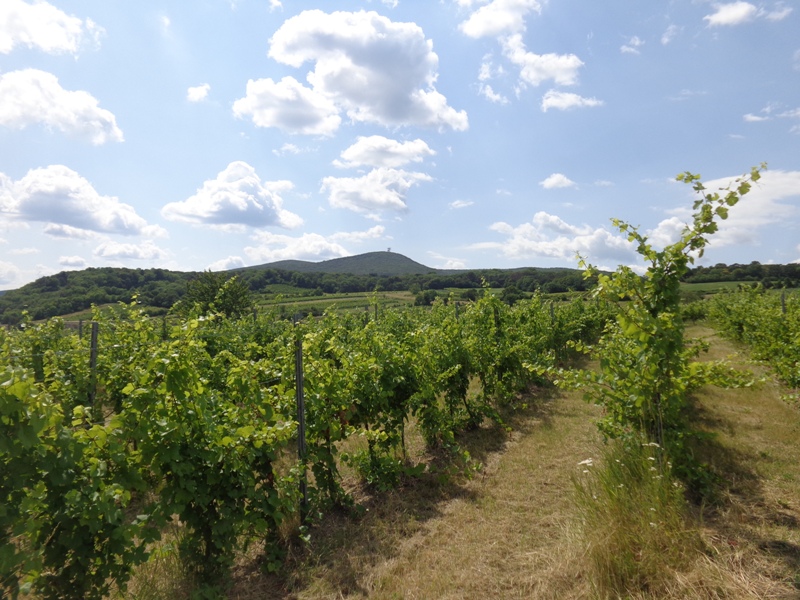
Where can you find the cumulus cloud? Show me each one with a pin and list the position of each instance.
(226, 264)
(567, 100)
(8, 273)
(289, 106)
(537, 68)
(74, 262)
(447, 262)
(30, 96)
(374, 69)
(373, 233)
(498, 17)
(198, 93)
(42, 26)
(309, 246)
(379, 151)
(69, 233)
(733, 13)
(237, 196)
(557, 180)
(379, 190)
(549, 236)
(68, 203)
(147, 250)
(765, 206)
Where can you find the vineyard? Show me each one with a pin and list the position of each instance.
(199, 420)
(237, 430)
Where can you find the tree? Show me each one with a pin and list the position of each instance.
(211, 292)
(646, 369)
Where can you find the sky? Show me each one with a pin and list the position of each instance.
(217, 134)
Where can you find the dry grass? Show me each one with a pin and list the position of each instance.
(514, 530)
(753, 531)
(508, 532)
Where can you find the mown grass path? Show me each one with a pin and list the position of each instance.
(511, 531)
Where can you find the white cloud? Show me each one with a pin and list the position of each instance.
(666, 232)
(379, 190)
(379, 151)
(670, 34)
(779, 14)
(633, 45)
(198, 93)
(751, 118)
(537, 68)
(147, 250)
(70, 205)
(373, 233)
(796, 60)
(43, 26)
(446, 262)
(487, 92)
(733, 13)
(75, 262)
(765, 206)
(69, 233)
(8, 273)
(566, 100)
(457, 204)
(289, 106)
(548, 236)
(310, 246)
(226, 264)
(24, 251)
(31, 96)
(275, 5)
(287, 148)
(498, 17)
(374, 69)
(557, 180)
(237, 196)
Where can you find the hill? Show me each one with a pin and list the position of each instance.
(370, 263)
(73, 291)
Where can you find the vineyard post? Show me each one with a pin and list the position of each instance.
(80, 329)
(93, 364)
(783, 302)
(301, 418)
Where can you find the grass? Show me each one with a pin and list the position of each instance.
(532, 524)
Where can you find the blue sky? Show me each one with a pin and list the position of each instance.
(461, 133)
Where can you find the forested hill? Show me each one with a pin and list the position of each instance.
(72, 291)
(372, 263)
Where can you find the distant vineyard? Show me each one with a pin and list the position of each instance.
(767, 322)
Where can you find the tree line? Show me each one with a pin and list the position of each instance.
(72, 291)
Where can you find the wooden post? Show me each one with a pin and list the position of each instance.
(93, 368)
(301, 418)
